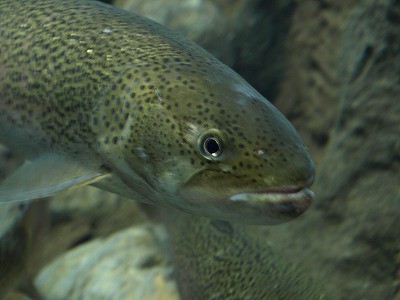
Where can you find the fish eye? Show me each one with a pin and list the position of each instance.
(211, 145)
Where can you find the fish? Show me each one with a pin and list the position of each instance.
(216, 259)
(94, 95)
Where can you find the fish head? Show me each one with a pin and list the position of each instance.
(209, 144)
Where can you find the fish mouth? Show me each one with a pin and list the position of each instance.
(250, 206)
(279, 204)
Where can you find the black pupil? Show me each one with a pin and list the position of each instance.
(211, 146)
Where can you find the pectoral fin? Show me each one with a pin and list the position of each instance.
(47, 175)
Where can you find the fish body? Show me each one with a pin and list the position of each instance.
(221, 260)
(91, 94)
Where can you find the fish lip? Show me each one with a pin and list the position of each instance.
(284, 203)
(278, 190)
(283, 190)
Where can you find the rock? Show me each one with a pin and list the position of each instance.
(97, 205)
(14, 242)
(129, 264)
(361, 188)
(350, 237)
(80, 216)
(21, 229)
(9, 215)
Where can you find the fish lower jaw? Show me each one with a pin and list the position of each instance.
(293, 201)
(273, 195)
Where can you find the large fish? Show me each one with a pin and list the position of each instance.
(221, 260)
(90, 94)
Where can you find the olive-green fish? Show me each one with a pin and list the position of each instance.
(90, 94)
(221, 260)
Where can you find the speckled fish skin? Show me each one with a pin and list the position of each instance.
(95, 84)
(221, 260)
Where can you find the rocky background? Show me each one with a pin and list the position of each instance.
(332, 67)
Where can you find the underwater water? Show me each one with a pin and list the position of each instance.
(333, 69)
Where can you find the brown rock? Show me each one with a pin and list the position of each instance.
(351, 236)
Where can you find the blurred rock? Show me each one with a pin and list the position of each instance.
(17, 296)
(87, 201)
(13, 246)
(82, 215)
(361, 170)
(21, 228)
(96, 205)
(130, 264)
(310, 83)
(351, 237)
(9, 215)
